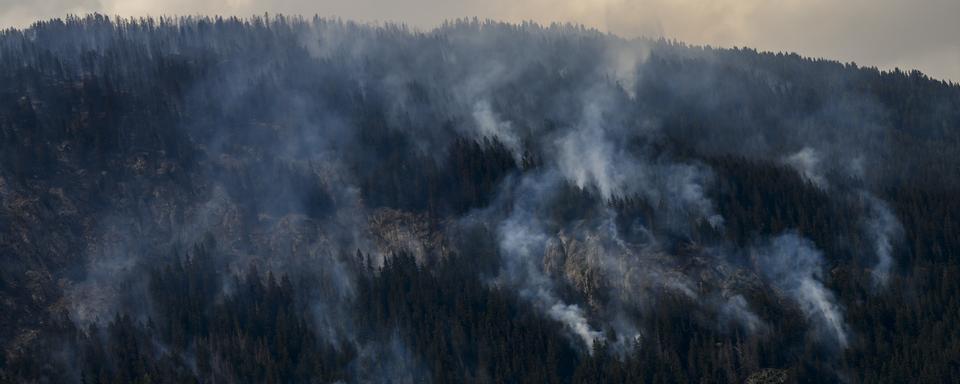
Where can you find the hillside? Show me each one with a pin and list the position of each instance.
(294, 200)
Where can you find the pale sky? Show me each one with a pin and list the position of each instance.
(910, 34)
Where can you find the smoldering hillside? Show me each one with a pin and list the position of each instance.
(292, 200)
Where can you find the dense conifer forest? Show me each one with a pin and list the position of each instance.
(290, 200)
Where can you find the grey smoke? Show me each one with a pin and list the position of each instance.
(885, 33)
(880, 225)
(807, 163)
(737, 310)
(112, 262)
(599, 140)
(589, 159)
(795, 266)
(883, 229)
(390, 361)
(522, 240)
(573, 317)
(489, 125)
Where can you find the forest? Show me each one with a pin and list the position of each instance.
(308, 200)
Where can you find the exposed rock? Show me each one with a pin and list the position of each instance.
(606, 269)
(768, 376)
(393, 230)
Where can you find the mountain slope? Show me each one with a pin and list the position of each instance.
(287, 200)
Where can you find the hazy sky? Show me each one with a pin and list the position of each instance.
(921, 34)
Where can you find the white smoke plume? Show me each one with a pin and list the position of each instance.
(589, 159)
(572, 316)
(489, 125)
(880, 224)
(522, 240)
(883, 229)
(795, 266)
(807, 163)
(609, 148)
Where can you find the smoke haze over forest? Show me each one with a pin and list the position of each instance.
(304, 199)
(885, 33)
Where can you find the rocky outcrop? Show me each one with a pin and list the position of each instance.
(602, 267)
(399, 231)
(768, 376)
